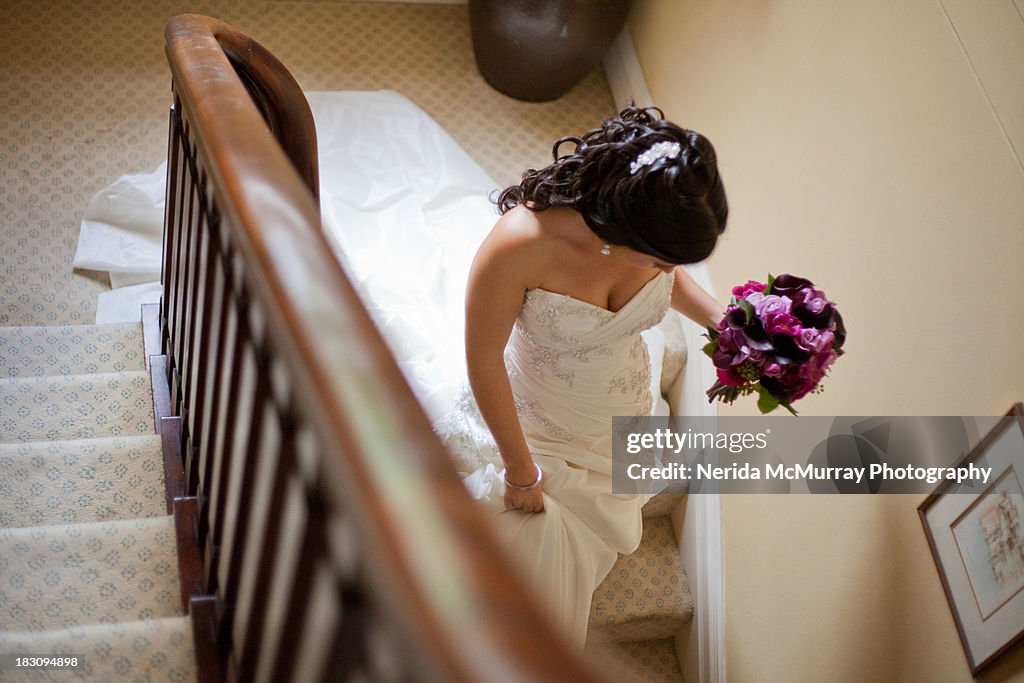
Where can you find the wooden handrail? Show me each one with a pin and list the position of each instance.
(430, 562)
(273, 90)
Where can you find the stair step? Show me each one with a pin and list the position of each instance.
(54, 577)
(70, 350)
(644, 661)
(154, 650)
(646, 596)
(86, 480)
(75, 406)
(662, 504)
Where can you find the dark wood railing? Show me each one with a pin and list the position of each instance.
(334, 537)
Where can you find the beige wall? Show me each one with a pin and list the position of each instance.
(868, 145)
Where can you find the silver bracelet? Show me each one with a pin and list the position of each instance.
(529, 487)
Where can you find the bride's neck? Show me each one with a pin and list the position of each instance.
(568, 224)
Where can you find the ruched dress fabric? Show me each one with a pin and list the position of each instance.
(573, 367)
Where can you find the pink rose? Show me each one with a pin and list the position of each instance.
(783, 323)
(743, 291)
(730, 378)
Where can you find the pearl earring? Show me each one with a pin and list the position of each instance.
(606, 250)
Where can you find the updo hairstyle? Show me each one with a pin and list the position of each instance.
(672, 208)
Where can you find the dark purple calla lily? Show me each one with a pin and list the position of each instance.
(821, 320)
(789, 285)
(736, 318)
(839, 332)
(755, 336)
(786, 349)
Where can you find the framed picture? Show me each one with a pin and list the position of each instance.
(977, 540)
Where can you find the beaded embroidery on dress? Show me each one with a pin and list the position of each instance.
(573, 366)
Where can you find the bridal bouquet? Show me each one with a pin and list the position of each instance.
(777, 339)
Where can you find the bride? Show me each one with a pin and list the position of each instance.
(580, 263)
(582, 260)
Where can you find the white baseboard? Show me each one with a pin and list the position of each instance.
(702, 646)
(625, 76)
(699, 527)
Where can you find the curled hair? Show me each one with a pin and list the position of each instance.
(673, 208)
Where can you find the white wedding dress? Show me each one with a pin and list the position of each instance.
(405, 209)
(573, 366)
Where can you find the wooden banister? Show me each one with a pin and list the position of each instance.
(337, 537)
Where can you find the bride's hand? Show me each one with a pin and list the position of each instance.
(525, 497)
(527, 501)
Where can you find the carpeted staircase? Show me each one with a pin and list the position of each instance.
(644, 603)
(88, 560)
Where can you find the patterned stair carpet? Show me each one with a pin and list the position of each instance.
(88, 559)
(643, 604)
(646, 595)
(87, 480)
(644, 661)
(137, 651)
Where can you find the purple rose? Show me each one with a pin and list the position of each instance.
(819, 365)
(815, 341)
(753, 355)
(772, 305)
(726, 351)
(813, 371)
(772, 370)
(813, 299)
(722, 359)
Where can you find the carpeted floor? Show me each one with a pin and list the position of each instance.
(84, 90)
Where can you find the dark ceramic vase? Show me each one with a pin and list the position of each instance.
(537, 50)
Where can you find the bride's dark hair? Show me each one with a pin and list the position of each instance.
(672, 208)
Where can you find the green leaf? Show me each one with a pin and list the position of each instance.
(789, 408)
(768, 287)
(766, 403)
(709, 348)
(748, 308)
(713, 334)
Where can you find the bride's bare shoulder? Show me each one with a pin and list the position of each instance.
(519, 226)
(543, 231)
(520, 247)
(521, 233)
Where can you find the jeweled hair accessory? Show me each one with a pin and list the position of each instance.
(659, 150)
